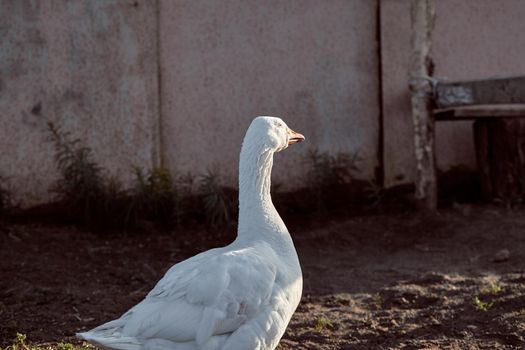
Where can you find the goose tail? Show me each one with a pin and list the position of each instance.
(108, 336)
(110, 341)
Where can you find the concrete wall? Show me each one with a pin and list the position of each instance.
(93, 68)
(472, 39)
(312, 62)
(89, 66)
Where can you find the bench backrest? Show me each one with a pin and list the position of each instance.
(480, 92)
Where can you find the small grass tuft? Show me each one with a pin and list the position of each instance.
(20, 342)
(65, 346)
(488, 292)
(494, 288)
(481, 305)
(322, 323)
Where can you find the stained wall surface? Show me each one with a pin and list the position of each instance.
(89, 67)
(173, 82)
(312, 62)
(472, 39)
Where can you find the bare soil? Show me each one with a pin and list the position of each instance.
(388, 281)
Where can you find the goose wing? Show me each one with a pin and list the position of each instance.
(210, 294)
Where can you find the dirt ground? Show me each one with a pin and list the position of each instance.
(455, 280)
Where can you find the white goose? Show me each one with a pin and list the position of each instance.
(239, 297)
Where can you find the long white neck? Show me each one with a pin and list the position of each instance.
(257, 214)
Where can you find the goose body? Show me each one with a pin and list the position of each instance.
(239, 297)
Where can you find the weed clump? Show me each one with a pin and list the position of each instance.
(494, 288)
(327, 170)
(482, 305)
(329, 176)
(88, 195)
(153, 197)
(322, 323)
(216, 204)
(489, 295)
(19, 343)
(82, 186)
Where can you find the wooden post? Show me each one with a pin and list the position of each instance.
(422, 13)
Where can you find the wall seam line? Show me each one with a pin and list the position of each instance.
(380, 171)
(159, 159)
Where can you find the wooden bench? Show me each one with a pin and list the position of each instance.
(497, 107)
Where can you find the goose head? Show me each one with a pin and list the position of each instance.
(272, 134)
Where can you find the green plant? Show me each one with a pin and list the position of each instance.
(326, 170)
(65, 346)
(69, 346)
(481, 305)
(322, 323)
(217, 206)
(81, 183)
(20, 342)
(494, 288)
(153, 196)
(327, 173)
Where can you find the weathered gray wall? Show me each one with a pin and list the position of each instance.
(89, 66)
(472, 39)
(223, 63)
(93, 67)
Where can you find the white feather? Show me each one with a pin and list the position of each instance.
(238, 297)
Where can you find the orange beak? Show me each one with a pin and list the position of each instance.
(294, 137)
